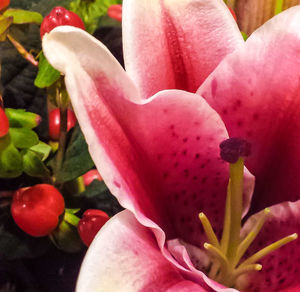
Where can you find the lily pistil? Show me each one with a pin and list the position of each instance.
(228, 260)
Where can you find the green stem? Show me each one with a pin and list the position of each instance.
(80, 184)
(278, 6)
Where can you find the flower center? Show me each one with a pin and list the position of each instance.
(227, 264)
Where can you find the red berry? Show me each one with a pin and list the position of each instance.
(90, 176)
(60, 16)
(36, 209)
(233, 13)
(4, 4)
(54, 123)
(4, 124)
(115, 12)
(90, 223)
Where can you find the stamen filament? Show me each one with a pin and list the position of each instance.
(236, 186)
(246, 269)
(217, 253)
(211, 236)
(251, 236)
(272, 247)
(226, 226)
(214, 269)
(229, 279)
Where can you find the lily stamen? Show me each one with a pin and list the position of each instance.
(227, 219)
(240, 271)
(217, 253)
(272, 247)
(227, 253)
(212, 238)
(244, 245)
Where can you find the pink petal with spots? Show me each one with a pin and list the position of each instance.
(256, 90)
(176, 44)
(159, 157)
(125, 257)
(292, 289)
(281, 269)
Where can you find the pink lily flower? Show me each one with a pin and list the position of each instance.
(159, 154)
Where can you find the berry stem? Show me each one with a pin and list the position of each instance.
(6, 194)
(25, 54)
(63, 109)
(62, 138)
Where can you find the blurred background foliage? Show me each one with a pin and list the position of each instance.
(34, 264)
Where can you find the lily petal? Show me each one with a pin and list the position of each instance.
(292, 289)
(159, 157)
(281, 268)
(176, 44)
(124, 256)
(256, 92)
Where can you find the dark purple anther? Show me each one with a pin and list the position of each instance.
(234, 148)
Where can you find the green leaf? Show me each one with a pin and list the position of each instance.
(21, 16)
(19, 118)
(65, 237)
(47, 75)
(42, 150)
(77, 160)
(10, 159)
(96, 196)
(5, 23)
(23, 137)
(18, 75)
(15, 244)
(91, 11)
(41, 6)
(72, 211)
(33, 165)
